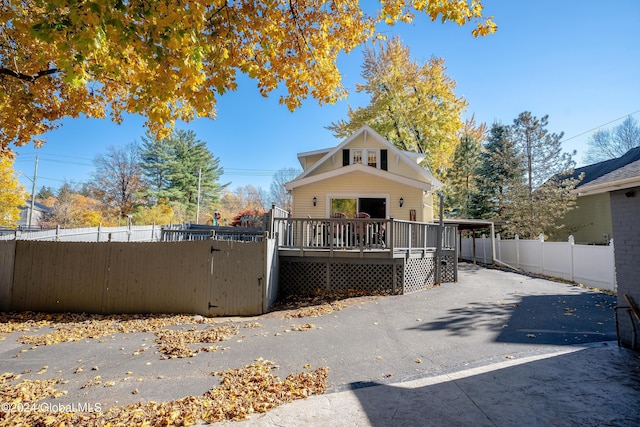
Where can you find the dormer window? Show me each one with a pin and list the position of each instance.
(372, 158)
(365, 156)
(356, 156)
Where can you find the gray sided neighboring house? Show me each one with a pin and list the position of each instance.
(39, 210)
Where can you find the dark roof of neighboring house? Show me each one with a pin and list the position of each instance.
(597, 170)
(629, 171)
(36, 206)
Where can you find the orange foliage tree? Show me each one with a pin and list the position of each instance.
(170, 59)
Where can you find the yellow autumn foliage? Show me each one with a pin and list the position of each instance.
(12, 194)
(169, 60)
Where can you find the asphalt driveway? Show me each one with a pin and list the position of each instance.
(375, 348)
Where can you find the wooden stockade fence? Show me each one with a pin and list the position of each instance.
(201, 277)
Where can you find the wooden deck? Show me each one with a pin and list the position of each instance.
(359, 238)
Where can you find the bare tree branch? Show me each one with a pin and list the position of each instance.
(27, 77)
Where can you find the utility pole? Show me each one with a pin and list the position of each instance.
(198, 200)
(33, 193)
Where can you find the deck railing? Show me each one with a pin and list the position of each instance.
(364, 234)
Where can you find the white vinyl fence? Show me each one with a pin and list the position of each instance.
(587, 264)
(134, 233)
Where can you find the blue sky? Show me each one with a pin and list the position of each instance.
(575, 60)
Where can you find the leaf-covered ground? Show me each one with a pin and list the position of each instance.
(242, 391)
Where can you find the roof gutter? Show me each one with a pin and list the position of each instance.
(607, 186)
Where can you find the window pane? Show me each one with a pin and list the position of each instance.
(346, 206)
(372, 158)
(357, 156)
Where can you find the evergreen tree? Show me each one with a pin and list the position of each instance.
(44, 193)
(499, 175)
(155, 159)
(547, 195)
(172, 167)
(462, 177)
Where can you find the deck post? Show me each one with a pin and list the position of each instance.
(390, 237)
(439, 240)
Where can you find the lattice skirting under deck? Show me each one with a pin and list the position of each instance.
(307, 275)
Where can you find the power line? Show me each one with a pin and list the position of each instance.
(249, 172)
(598, 127)
(49, 160)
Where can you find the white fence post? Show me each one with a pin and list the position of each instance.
(541, 240)
(612, 256)
(517, 239)
(573, 263)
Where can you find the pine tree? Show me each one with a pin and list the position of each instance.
(172, 167)
(155, 160)
(461, 179)
(499, 175)
(547, 195)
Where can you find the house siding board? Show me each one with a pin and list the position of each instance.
(625, 212)
(358, 184)
(588, 222)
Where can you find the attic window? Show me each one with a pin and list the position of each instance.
(356, 156)
(366, 156)
(372, 158)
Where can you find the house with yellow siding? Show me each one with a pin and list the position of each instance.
(367, 174)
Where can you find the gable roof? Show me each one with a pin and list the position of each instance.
(36, 206)
(411, 159)
(598, 170)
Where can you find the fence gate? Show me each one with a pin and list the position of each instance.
(237, 284)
